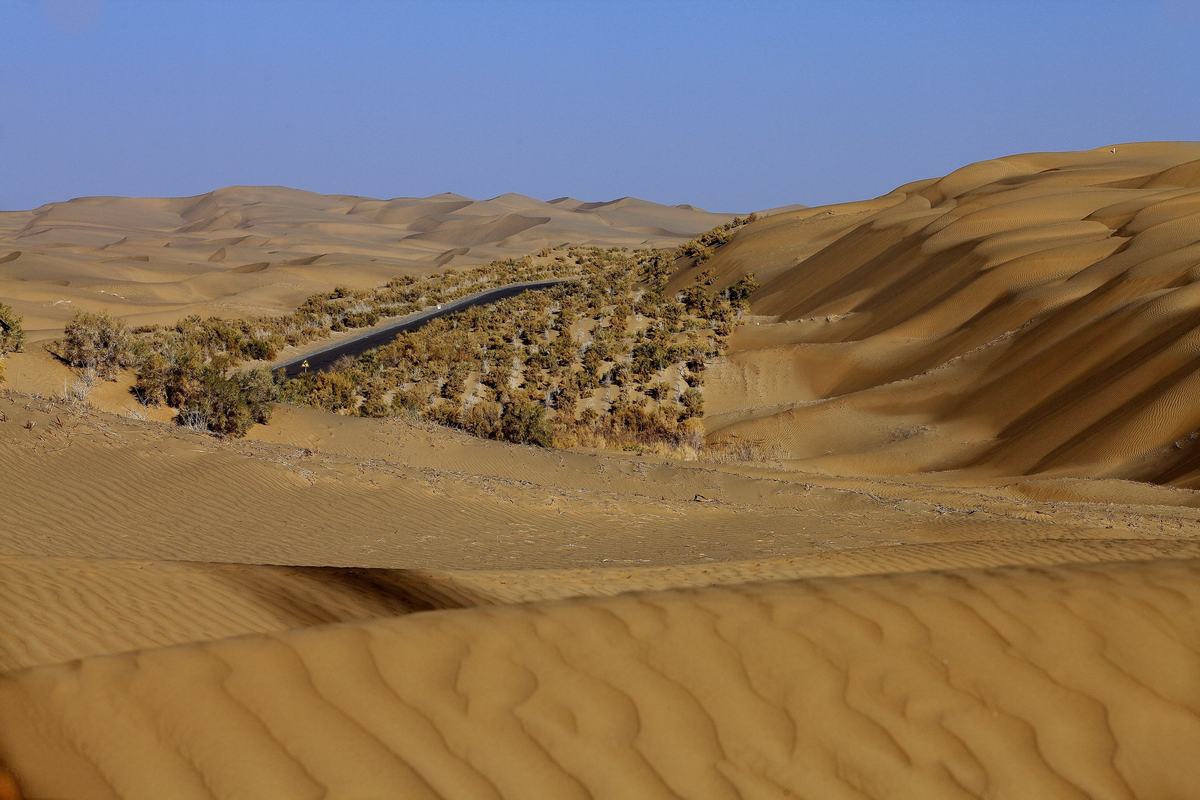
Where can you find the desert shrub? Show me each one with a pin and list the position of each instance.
(456, 382)
(483, 420)
(332, 390)
(660, 390)
(375, 403)
(412, 399)
(96, 341)
(229, 404)
(701, 248)
(153, 380)
(12, 335)
(616, 327)
(523, 421)
(259, 391)
(649, 357)
(444, 413)
(739, 293)
(263, 348)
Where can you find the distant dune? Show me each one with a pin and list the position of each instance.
(245, 249)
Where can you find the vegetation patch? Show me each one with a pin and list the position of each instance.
(607, 359)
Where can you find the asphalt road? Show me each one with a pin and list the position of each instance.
(319, 360)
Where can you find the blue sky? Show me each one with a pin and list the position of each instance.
(731, 106)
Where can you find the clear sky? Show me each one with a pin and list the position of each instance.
(731, 106)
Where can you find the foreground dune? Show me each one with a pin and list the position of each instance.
(59, 609)
(1079, 681)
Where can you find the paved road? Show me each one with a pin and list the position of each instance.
(319, 360)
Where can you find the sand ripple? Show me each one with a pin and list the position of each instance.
(1079, 681)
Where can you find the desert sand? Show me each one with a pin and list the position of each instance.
(928, 685)
(960, 558)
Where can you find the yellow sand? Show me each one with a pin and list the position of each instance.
(1076, 682)
(1032, 314)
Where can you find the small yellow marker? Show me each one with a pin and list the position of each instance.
(304, 365)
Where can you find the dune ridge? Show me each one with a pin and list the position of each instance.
(1033, 314)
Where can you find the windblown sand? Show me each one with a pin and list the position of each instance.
(1022, 682)
(970, 480)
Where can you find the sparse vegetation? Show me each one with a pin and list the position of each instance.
(191, 365)
(609, 360)
(98, 342)
(701, 248)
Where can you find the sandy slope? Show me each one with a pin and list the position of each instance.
(1032, 314)
(256, 249)
(1077, 682)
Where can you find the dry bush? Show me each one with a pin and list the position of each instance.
(76, 392)
(733, 449)
(528, 368)
(12, 335)
(98, 342)
(193, 418)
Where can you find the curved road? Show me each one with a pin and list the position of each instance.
(323, 359)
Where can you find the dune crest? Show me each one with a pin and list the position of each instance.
(1028, 315)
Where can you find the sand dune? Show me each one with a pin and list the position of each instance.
(971, 477)
(1063, 682)
(419, 517)
(1033, 314)
(168, 257)
(58, 609)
